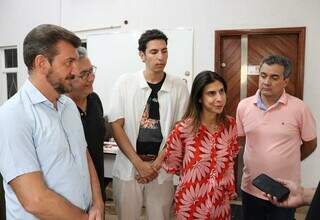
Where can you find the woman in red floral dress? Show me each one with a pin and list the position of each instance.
(201, 150)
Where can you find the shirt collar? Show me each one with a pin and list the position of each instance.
(166, 86)
(258, 101)
(36, 96)
(283, 98)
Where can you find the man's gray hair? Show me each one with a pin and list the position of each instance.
(82, 52)
(280, 60)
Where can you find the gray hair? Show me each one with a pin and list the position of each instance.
(82, 52)
(280, 60)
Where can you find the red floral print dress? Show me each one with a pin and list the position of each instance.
(204, 162)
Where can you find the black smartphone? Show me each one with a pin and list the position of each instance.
(268, 185)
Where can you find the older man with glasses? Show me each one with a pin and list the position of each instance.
(91, 112)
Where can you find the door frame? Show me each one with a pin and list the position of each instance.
(300, 31)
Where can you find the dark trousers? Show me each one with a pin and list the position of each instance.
(258, 209)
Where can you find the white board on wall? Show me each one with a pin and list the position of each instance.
(117, 53)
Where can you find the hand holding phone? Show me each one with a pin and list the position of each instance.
(271, 186)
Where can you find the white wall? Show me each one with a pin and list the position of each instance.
(17, 17)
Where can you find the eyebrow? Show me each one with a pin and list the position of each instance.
(71, 59)
(216, 90)
(87, 69)
(164, 48)
(273, 74)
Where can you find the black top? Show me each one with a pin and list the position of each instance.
(150, 136)
(94, 130)
(314, 210)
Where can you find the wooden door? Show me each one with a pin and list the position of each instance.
(283, 44)
(230, 66)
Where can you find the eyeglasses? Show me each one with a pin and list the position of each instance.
(85, 73)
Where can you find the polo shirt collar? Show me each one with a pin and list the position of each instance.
(258, 102)
(166, 86)
(283, 98)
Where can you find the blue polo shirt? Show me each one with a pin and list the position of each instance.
(34, 136)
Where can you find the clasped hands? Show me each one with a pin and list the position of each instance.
(148, 171)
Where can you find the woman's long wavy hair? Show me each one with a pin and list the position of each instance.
(194, 108)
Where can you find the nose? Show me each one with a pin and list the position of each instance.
(267, 81)
(74, 69)
(219, 97)
(91, 77)
(160, 55)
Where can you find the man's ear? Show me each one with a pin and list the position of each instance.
(142, 56)
(41, 62)
(286, 81)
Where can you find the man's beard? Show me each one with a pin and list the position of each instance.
(57, 84)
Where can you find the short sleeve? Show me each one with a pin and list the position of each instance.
(17, 151)
(174, 151)
(115, 110)
(308, 128)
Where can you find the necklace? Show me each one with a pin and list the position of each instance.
(211, 127)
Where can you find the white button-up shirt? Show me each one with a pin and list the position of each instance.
(129, 99)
